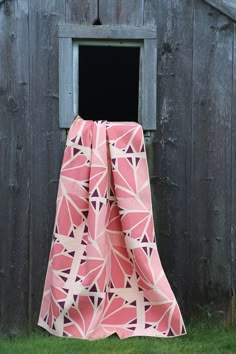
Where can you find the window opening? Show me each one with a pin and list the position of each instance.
(108, 83)
(108, 72)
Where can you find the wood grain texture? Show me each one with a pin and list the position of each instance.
(15, 163)
(149, 82)
(228, 7)
(170, 170)
(66, 114)
(233, 195)
(107, 31)
(47, 140)
(121, 12)
(82, 11)
(211, 159)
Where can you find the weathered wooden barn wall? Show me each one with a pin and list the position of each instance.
(192, 158)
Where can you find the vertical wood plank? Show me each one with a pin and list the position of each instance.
(81, 12)
(75, 79)
(232, 316)
(169, 154)
(121, 12)
(65, 82)
(15, 163)
(47, 140)
(211, 159)
(149, 82)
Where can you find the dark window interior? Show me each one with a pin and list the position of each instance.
(108, 83)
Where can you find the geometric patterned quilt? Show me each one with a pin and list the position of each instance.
(104, 273)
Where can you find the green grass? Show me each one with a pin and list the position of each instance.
(201, 338)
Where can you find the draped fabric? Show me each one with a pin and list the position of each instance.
(104, 273)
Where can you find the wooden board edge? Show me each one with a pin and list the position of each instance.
(107, 31)
(225, 6)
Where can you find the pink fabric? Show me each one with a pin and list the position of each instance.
(104, 273)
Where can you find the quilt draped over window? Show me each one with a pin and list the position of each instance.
(104, 273)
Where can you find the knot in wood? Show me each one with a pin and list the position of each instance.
(12, 104)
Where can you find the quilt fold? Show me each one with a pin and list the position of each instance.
(104, 273)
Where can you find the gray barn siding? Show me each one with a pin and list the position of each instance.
(233, 184)
(191, 158)
(47, 140)
(119, 12)
(171, 149)
(211, 157)
(15, 129)
(81, 12)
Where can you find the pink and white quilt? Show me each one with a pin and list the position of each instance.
(104, 273)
